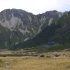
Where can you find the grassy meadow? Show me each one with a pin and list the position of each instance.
(61, 62)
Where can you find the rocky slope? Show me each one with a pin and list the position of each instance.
(58, 32)
(21, 25)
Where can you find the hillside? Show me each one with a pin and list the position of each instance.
(58, 32)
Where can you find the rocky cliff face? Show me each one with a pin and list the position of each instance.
(22, 25)
(58, 32)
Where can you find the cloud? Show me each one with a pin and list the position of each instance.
(36, 6)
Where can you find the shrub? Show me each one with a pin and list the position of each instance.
(42, 55)
(57, 55)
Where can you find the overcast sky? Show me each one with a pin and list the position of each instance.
(36, 6)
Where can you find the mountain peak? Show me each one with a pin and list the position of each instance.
(53, 13)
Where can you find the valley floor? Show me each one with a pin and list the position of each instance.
(61, 62)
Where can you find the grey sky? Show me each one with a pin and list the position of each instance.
(36, 6)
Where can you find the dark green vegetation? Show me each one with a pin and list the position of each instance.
(58, 32)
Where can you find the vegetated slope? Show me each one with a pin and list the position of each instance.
(58, 32)
(23, 25)
(62, 35)
(5, 35)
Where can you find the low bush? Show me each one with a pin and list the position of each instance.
(57, 55)
(42, 55)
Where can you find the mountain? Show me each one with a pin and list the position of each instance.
(58, 32)
(17, 26)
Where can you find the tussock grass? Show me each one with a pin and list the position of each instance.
(61, 62)
(36, 63)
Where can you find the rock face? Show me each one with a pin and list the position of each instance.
(58, 32)
(21, 25)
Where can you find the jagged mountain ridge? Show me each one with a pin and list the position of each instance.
(23, 25)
